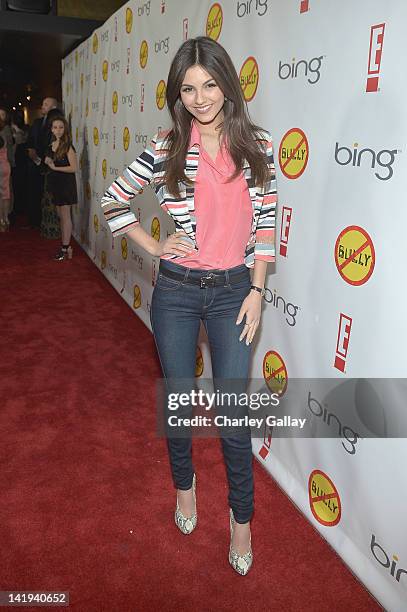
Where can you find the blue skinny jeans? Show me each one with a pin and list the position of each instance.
(177, 308)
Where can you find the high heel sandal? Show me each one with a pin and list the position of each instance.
(240, 563)
(184, 523)
(64, 254)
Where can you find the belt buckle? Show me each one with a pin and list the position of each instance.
(208, 280)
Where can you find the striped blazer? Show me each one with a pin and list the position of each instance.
(149, 167)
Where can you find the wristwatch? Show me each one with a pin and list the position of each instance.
(261, 291)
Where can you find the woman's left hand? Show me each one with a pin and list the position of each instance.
(251, 307)
(49, 161)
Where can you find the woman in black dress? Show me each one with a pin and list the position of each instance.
(61, 181)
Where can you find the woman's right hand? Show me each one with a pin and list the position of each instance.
(175, 245)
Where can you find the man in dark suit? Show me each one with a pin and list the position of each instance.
(39, 137)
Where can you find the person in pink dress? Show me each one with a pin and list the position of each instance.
(5, 173)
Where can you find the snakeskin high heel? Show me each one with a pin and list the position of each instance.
(184, 523)
(240, 563)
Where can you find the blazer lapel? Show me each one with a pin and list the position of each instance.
(187, 191)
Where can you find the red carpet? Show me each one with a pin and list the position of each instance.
(86, 497)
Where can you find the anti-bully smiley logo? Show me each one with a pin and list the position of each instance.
(105, 70)
(293, 153)
(160, 94)
(355, 255)
(123, 244)
(155, 228)
(275, 372)
(129, 20)
(136, 297)
(249, 78)
(115, 102)
(126, 138)
(143, 53)
(324, 499)
(214, 21)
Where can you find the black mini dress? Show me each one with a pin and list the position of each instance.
(61, 186)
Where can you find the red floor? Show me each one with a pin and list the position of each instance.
(86, 497)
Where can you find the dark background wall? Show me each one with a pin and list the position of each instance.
(32, 46)
(101, 9)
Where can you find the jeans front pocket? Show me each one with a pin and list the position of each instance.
(241, 286)
(164, 283)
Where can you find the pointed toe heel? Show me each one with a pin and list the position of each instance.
(240, 563)
(187, 524)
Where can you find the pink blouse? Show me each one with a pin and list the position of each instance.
(223, 212)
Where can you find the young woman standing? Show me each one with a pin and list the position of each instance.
(213, 172)
(61, 181)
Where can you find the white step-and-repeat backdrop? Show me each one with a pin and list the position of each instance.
(327, 79)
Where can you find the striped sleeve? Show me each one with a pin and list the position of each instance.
(264, 248)
(115, 202)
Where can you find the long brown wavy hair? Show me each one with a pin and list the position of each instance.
(65, 142)
(237, 129)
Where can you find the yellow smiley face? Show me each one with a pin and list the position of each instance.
(137, 297)
(155, 229)
(199, 364)
(143, 53)
(103, 260)
(115, 102)
(95, 43)
(105, 69)
(124, 248)
(96, 223)
(129, 20)
(126, 138)
(96, 136)
(104, 168)
(160, 94)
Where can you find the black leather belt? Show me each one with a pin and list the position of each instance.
(208, 280)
